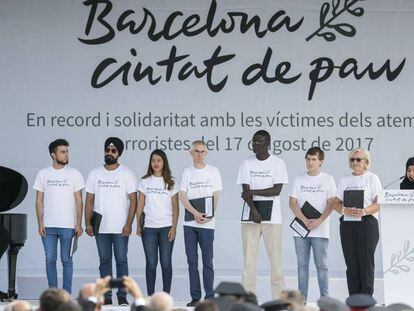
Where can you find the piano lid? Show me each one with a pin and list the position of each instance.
(13, 188)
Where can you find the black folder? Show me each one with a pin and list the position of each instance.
(354, 198)
(309, 212)
(142, 224)
(200, 205)
(263, 207)
(95, 221)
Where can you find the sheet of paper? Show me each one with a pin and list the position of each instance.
(299, 229)
(246, 212)
(209, 207)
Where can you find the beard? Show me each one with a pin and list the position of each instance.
(109, 160)
(64, 162)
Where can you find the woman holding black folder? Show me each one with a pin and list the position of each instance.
(359, 222)
(157, 218)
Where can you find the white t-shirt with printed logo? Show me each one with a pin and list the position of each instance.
(201, 183)
(59, 187)
(369, 182)
(316, 190)
(111, 190)
(262, 175)
(158, 207)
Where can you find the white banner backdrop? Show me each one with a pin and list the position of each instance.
(160, 74)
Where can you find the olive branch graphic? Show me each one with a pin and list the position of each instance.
(341, 28)
(397, 266)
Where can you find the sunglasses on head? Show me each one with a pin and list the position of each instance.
(111, 150)
(356, 159)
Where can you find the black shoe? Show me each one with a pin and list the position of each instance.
(107, 301)
(193, 303)
(122, 301)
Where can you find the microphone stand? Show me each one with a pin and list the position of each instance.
(393, 182)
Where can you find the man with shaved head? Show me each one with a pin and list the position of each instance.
(161, 301)
(18, 305)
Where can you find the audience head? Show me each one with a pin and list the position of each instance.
(85, 292)
(245, 307)
(234, 289)
(52, 298)
(293, 297)
(399, 306)
(360, 301)
(68, 306)
(18, 305)
(331, 304)
(206, 305)
(250, 297)
(161, 301)
(276, 305)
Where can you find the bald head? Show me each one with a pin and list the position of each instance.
(18, 305)
(85, 292)
(161, 301)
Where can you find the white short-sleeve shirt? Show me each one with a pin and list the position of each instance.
(158, 207)
(111, 190)
(201, 183)
(262, 175)
(316, 190)
(59, 187)
(369, 182)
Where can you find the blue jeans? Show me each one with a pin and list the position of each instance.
(205, 237)
(105, 242)
(154, 239)
(64, 235)
(320, 249)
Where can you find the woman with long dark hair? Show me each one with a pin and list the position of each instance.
(157, 218)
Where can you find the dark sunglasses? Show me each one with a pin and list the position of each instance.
(111, 150)
(356, 159)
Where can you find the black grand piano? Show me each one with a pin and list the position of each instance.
(13, 227)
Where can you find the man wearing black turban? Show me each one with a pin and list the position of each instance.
(111, 191)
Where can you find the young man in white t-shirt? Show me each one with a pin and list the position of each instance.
(319, 190)
(200, 181)
(262, 177)
(111, 191)
(59, 211)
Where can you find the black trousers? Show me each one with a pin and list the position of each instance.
(359, 241)
(4, 240)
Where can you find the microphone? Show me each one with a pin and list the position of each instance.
(393, 182)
